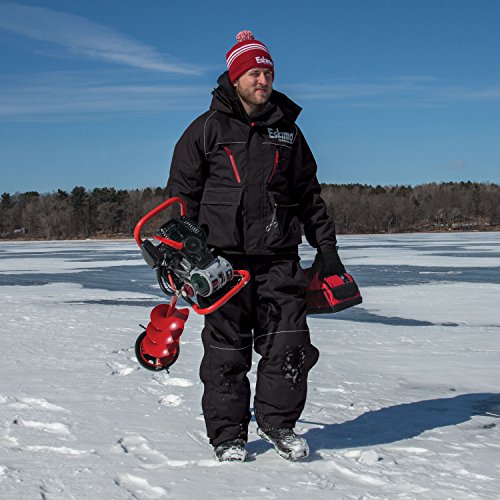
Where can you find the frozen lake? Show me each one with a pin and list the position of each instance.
(403, 403)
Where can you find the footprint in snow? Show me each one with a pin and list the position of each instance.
(53, 489)
(56, 428)
(9, 474)
(34, 404)
(140, 449)
(166, 379)
(369, 457)
(59, 450)
(139, 487)
(151, 459)
(3, 472)
(121, 370)
(171, 400)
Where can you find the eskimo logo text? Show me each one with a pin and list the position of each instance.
(264, 60)
(281, 136)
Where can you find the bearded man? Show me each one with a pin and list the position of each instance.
(249, 180)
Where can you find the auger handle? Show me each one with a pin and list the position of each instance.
(245, 278)
(156, 211)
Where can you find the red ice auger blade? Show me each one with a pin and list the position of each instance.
(158, 347)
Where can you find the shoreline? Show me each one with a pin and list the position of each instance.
(342, 235)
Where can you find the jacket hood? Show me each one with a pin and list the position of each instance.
(279, 106)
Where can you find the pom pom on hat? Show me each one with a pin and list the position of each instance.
(248, 53)
(244, 35)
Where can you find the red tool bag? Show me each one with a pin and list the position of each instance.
(331, 294)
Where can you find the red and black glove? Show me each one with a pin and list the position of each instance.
(328, 263)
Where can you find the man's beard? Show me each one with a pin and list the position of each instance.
(252, 98)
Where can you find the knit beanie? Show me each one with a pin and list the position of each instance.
(246, 54)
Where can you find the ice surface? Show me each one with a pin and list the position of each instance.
(403, 403)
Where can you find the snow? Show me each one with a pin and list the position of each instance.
(403, 403)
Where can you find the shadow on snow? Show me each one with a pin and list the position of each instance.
(396, 423)
(360, 315)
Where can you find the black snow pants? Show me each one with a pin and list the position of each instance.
(268, 314)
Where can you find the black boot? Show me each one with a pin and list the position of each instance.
(287, 443)
(232, 450)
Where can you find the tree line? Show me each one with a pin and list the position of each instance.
(357, 208)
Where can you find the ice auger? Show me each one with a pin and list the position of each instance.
(186, 267)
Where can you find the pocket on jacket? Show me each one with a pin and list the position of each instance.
(283, 227)
(279, 170)
(220, 216)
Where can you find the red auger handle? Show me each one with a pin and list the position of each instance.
(244, 279)
(156, 211)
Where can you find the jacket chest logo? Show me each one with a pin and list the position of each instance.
(274, 133)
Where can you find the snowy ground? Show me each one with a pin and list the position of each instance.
(404, 402)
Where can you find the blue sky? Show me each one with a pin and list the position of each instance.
(97, 92)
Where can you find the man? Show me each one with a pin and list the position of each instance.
(249, 179)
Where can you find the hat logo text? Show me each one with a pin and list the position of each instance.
(263, 60)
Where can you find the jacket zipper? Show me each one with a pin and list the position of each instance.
(233, 164)
(276, 160)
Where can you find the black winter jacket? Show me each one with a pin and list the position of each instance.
(250, 182)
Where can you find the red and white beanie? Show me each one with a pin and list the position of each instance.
(248, 53)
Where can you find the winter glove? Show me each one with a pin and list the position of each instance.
(328, 263)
